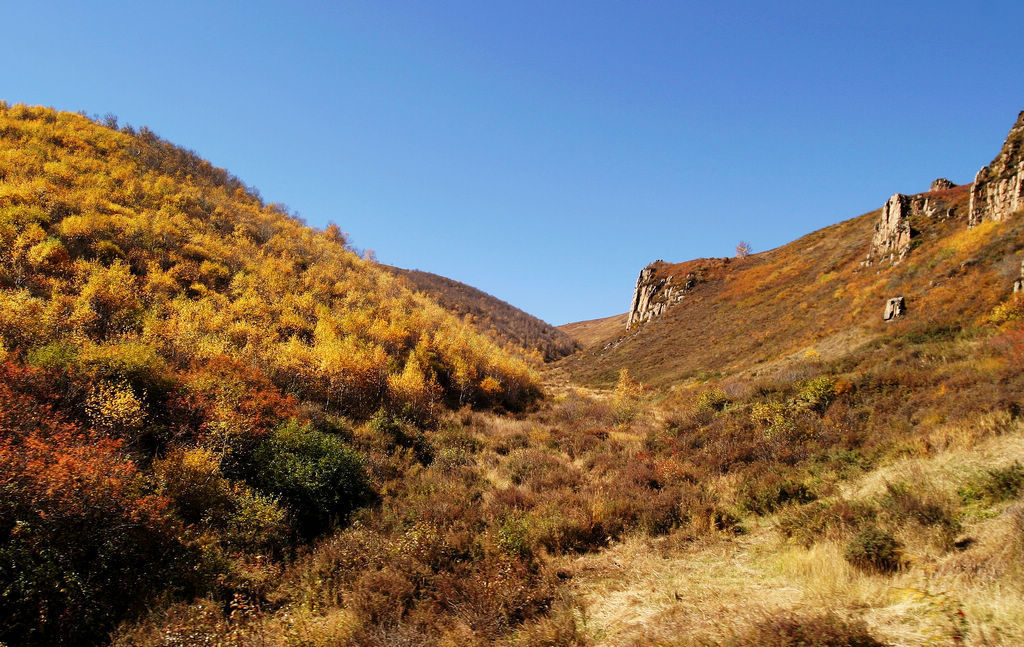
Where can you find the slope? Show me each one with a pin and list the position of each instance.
(817, 294)
(504, 323)
(185, 372)
(594, 331)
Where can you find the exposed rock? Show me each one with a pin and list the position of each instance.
(941, 184)
(998, 189)
(894, 307)
(892, 231)
(662, 285)
(651, 296)
(1018, 285)
(645, 288)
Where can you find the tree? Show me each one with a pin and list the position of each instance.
(743, 249)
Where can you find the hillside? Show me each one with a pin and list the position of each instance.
(814, 295)
(186, 372)
(221, 427)
(593, 331)
(505, 324)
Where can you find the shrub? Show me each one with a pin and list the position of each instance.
(817, 393)
(995, 485)
(711, 400)
(244, 519)
(311, 472)
(876, 550)
(903, 503)
(807, 523)
(767, 494)
(627, 398)
(1010, 310)
(82, 546)
(789, 630)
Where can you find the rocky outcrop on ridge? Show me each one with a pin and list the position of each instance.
(662, 285)
(652, 295)
(895, 228)
(998, 189)
(892, 231)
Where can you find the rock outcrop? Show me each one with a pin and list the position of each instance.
(662, 285)
(998, 189)
(894, 307)
(653, 294)
(892, 231)
(1018, 285)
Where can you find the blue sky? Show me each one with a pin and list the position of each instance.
(546, 151)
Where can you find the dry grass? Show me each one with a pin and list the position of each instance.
(593, 331)
(658, 591)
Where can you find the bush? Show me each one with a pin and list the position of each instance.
(82, 546)
(311, 472)
(902, 503)
(711, 400)
(767, 494)
(807, 523)
(995, 485)
(876, 550)
(789, 630)
(817, 393)
(244, 519)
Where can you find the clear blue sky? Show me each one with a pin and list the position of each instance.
(546, 151)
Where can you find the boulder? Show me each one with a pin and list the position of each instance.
(941, 184)
(894, 307)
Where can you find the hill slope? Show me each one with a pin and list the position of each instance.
(593, 331)
(183, 371)
(794, 471)
(815, 294)
(504, 323)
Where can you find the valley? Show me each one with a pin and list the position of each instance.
(219, 426)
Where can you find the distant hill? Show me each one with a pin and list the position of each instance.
(504, 323)
(594, 331)
(825, 292)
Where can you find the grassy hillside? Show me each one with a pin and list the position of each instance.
(185, 374)
(505, 324)
(593, 331)
(814, 295)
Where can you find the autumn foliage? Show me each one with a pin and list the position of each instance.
(182, 366)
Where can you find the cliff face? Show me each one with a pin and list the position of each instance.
(651, 295)
(998, 189)
(892, 231)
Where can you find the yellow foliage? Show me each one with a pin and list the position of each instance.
(123, 235)
(115, 407)
(1010, 310)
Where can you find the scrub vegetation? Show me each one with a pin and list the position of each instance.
(221, 427)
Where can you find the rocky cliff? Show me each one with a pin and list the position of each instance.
(902, 215)
(652, 294)
(662, 285)
(998, 189)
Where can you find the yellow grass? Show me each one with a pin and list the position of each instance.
(661, 591)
